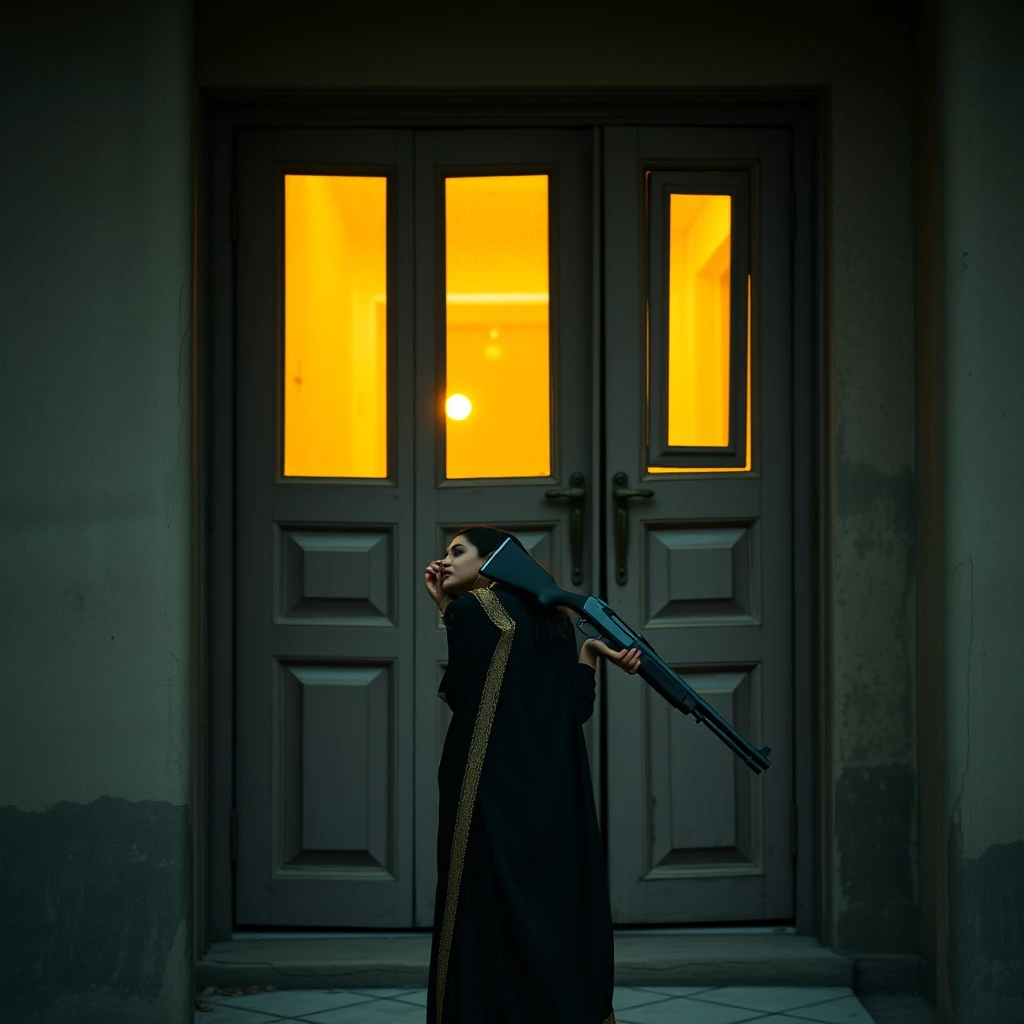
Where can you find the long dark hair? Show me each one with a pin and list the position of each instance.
(552, 624)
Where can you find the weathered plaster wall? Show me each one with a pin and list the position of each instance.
(95, 288)
(862, 55)
(981, 102)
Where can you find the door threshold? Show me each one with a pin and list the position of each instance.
(411, 933)
(708, 957)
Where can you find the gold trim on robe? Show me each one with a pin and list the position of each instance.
(471, 779)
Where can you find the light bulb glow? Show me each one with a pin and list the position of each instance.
(458, 407)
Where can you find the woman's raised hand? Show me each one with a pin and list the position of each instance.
(628, 659)
(432, 581)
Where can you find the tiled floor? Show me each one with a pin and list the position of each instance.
(632, 1006)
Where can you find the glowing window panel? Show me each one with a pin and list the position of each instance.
(497, 406)
(700, 242)
(335, 326)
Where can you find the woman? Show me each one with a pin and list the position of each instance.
(522, 920)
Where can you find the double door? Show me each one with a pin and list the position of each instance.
(582, 336)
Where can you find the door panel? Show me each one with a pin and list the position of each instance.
(484, 306)
(416, 351)
(324, 686)
(694, 835)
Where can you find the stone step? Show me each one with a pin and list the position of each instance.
(650, 958)
(387, 960)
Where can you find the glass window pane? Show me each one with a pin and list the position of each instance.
(335, 326)
(700, 237)
(700, 242)
(497, 334)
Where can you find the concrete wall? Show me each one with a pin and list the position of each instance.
(95, 299)
(981, 109)
(862, 55)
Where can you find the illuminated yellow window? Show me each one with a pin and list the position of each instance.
(699, 299)
(497, 332)
(335, 326)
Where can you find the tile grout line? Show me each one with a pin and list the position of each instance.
(653, 1002)
(272, 1018)
(825, 1002)
(280, 1015)
(803, 1006)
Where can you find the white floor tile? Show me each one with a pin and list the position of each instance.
(779, 1018)
(624, 998)
(291, 1002)
(840, 1011)
(771, 1000)
(418, 997)
(685, 1011)
(384, 993)
(649, 1004)
(231, 1015)
(676, 990)
(380, 1011)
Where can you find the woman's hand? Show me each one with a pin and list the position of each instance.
(628, 659)
(432, 581)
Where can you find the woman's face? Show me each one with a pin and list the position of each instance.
(460, 567)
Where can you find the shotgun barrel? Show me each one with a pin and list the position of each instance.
(511, 566)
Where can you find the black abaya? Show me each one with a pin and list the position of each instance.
(522, 921)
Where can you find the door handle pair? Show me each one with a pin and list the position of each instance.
(577, 495)
(576, 492)
(622, 493)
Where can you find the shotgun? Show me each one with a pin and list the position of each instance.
(510, 565)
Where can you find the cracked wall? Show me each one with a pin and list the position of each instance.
(94, 515)
(981, 105)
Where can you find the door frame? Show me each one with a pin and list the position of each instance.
(803, 113)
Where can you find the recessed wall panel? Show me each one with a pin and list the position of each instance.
(702, 573)
(704, 807)
(335, 751)
(335, 576)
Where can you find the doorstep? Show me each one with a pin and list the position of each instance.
(642, 958)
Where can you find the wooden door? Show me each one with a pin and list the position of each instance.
(339, 650)
(324, 691)
(504, 321)
(698, 287)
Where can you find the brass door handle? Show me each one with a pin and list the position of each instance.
(622, 493)
(577, 495)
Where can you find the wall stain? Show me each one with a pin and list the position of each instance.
(986, 931)
(874, 821)
(874, 620)
(95, 897)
